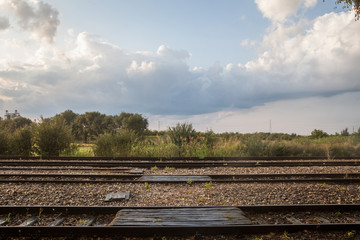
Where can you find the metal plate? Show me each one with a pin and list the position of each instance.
(117, 196)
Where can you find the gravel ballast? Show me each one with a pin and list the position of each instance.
(194, 194)
(182, 194)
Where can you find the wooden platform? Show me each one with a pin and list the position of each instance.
(174, 178)
(214, 216)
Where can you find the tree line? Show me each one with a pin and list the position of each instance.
(51, 136)
(127, 134)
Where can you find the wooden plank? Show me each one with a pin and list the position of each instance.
(323, 220)
(136, 171)
(3, 221)
(216, 216)
(57, 222)
(87, 221)
(294, 220)
(29, 222)
(174, 178)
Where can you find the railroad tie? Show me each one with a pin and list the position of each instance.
(29, 221)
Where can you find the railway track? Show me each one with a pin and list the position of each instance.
(344, 178)
(153, 159)
(175, 164)
(55, 221)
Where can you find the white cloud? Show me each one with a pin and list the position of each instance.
(299, 60)
(279, 10)
(299, 116)
(321, 60)
(4, 23)
(39, 18)
(247, 43)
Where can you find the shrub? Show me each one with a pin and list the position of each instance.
(181, 133)
(155, 148)
(3, 143)
(52, 136)
(21, 142)
(316, 133)
(115, 144)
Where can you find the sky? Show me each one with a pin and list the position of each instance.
(227, 66)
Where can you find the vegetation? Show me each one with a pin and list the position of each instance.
(52, 136)
(354, 5)
(96, 134)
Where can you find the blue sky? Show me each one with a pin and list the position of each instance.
(221, 65)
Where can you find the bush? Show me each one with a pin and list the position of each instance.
(52, 136)
(181, 133)
(3, 144)
(155, 148)
(316, 133)
(115, 144)
(21, 142)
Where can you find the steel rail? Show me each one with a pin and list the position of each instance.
(143, 230)
(216, 178)
(250, 158)
(198, 164)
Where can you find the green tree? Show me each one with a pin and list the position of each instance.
(354, 5)
(69, 116)
(52, 136)
(88, 126)
(316, 133)
(4, 141)
(135, 122)
(11, 125)
(345, 132)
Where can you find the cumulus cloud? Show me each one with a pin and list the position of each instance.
(305, 59)
(279, 10)
(39, 18)
(4, 23)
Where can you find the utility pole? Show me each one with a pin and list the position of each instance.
(270, 127)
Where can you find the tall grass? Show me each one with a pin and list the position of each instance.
(233, 146)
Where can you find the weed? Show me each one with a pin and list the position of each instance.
(208, 185)
(324, 184)
(147, 186)
(87, 185)
(257, 164)
(257, 238)
(338, 213)
(154, 168)
(169, 169)
(201, 199)
(351, 234)
(229, 216)
(342, 188)
(40, 212)
(286, 235)
(189, 181)
(8, 218)
(307, 213)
